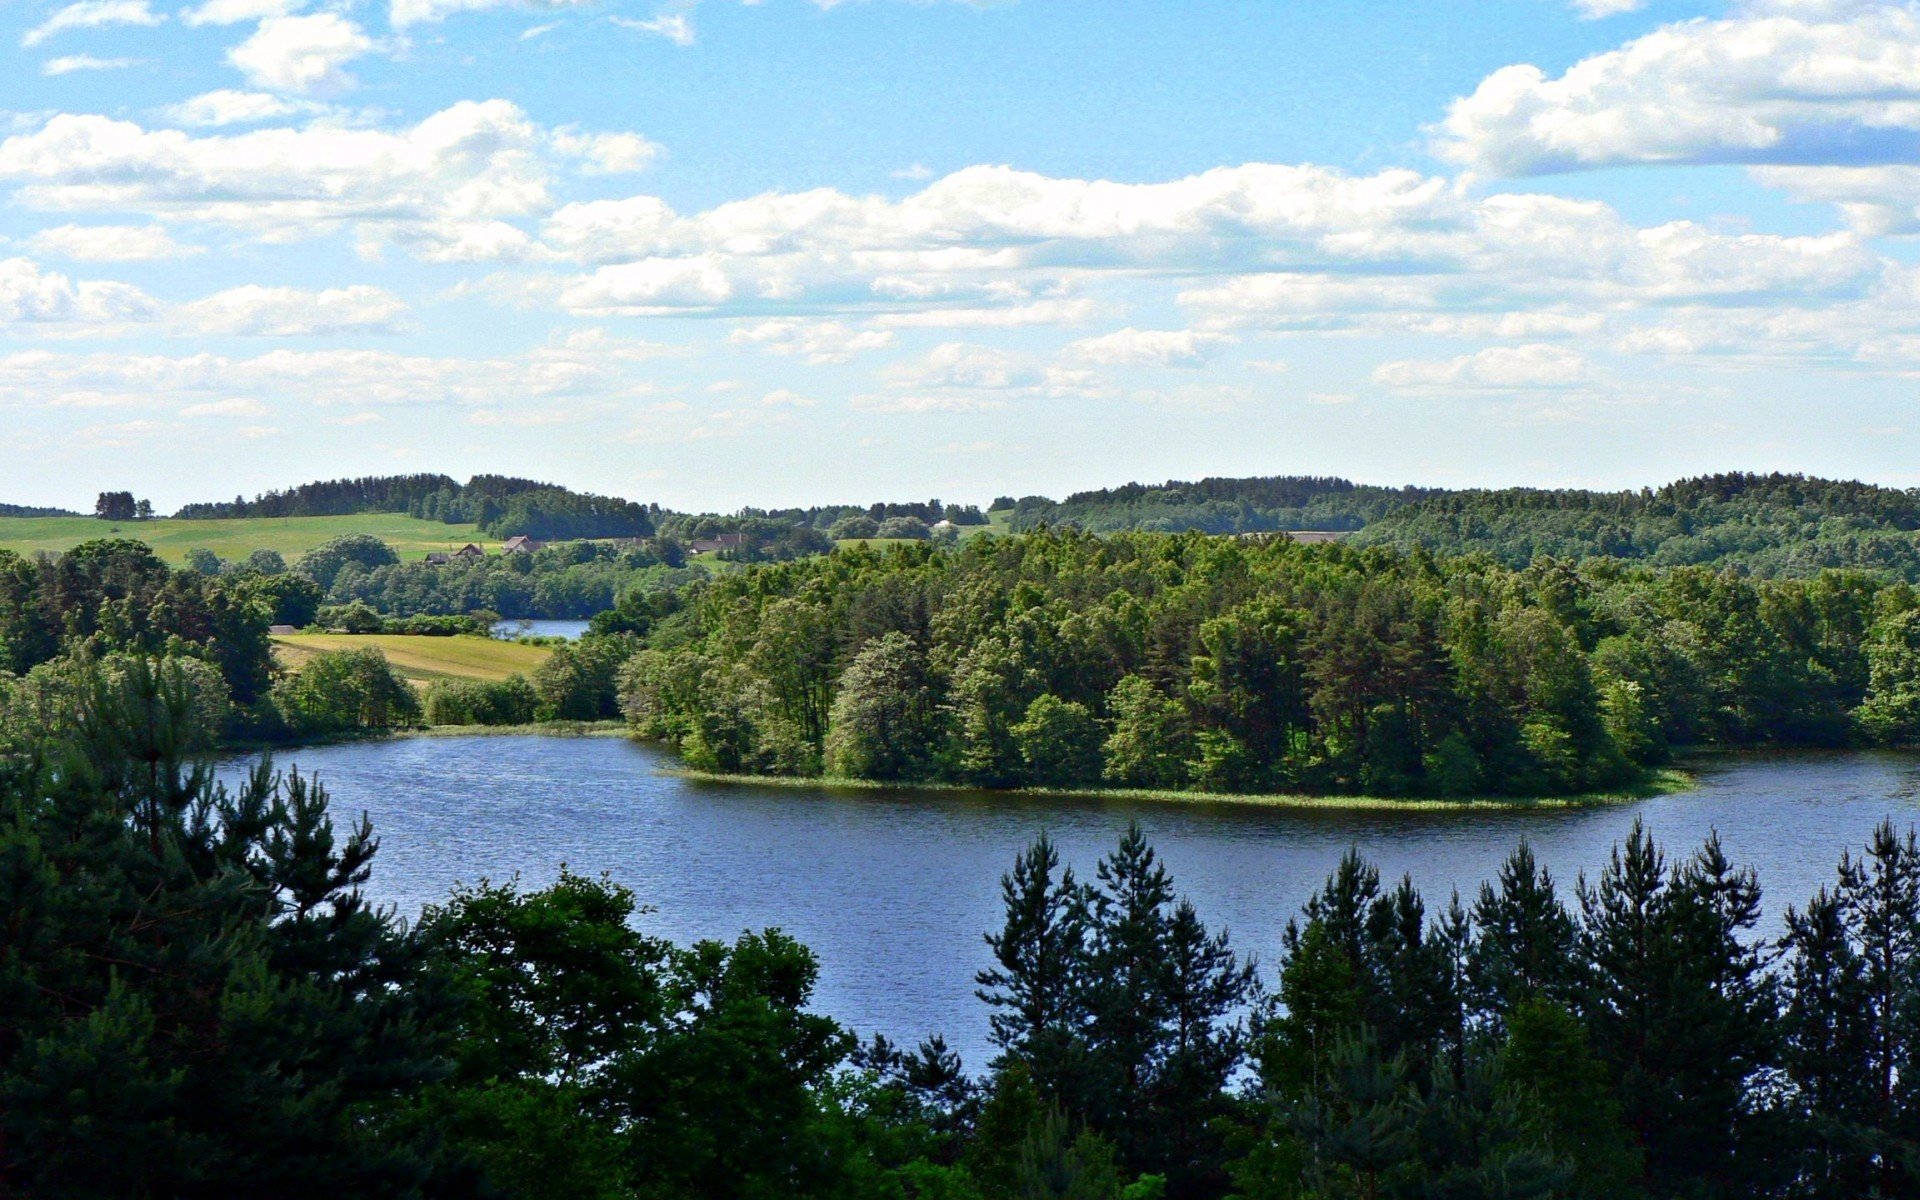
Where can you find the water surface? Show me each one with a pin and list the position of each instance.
(893, 889)
(570, 630)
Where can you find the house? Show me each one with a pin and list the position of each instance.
(280, 630)
(726, 541)
(520, 545)
(940, 525)
(439, 558)
(470, 550)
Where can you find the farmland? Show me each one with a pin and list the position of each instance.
(421, 659)
(236, 538)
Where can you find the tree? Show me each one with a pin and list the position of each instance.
(324, 563)
(1151, 741)
(194, 989)
(1561, 1089)
(116, 506)
(1524, 940)
(884, 720)
(1059, 742)
(1035, 988)
(204, 561)
(347, 690)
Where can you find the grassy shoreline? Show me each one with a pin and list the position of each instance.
(1665, 781)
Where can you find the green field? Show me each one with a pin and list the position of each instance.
(421, 659)
(239, 537)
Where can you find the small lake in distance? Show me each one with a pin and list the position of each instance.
(573, 631)
(892, 890)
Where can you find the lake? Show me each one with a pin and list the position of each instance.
(893, 889)
(570, 630)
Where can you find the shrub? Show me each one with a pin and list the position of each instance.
(510, 701)
(346, 690)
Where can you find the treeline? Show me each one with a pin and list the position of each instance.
(568, 580)
(1776, 525)
(29, 510)
(501, 505)
(1235, 665)
(197, 993)
(1215, 505)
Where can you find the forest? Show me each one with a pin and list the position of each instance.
(196, 990)
(1171, 662)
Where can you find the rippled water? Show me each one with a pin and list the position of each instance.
(893, 889)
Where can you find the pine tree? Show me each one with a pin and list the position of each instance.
(1524, 939)
(1037, 990)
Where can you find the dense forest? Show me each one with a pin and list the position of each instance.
(1256, 505)
(197, 994)
(501, 505)
(1246, 665)
(1776, 525)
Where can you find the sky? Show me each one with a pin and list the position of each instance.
(715, 253)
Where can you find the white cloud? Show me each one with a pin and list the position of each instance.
(109, 243)
(1785, 83)
(816, 341)
(230, 107)
(68, 64)
(676, 27)
(232, 406)
(403, 13)
(31, 296)
(301, 54)
(93, 14)
(473, 162)
(607, 153)
(1498, 367)
(255, 311)
(1594, 10)
(233, 12)
(1149, 348)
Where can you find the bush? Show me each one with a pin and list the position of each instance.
(510, 701)
(903, 527)
(580, 681)
(854, 527)
(346, 690)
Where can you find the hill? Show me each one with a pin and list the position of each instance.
(235, 538)
(1262, 504)
(1771, 525)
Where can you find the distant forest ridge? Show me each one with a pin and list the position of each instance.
(1771, 524)
(30, 510)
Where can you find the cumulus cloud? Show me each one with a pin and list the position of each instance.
(109, 243)
(1149, 348)
(301, 54)
(473, 162)
(68, 64)
(92, 14)
(1594, 10)
(607, 153)
(32, 296)
(1781, 83)
(255, 311)
(816, 341)
(1497, 367)
(228, 106)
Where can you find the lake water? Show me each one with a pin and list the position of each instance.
(570, 630)
(893, 889)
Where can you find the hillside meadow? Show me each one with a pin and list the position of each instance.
(235, 538)
(421, 659)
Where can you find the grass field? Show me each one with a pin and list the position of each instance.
(421, 659)
(232, 539)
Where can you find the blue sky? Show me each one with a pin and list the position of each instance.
(725, 253)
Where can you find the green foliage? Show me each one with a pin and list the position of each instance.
(344, 691)
(193, 989)
(511, 701)
(579, 681)
(883, 719)
(1059, 742)
(324, 563)
(1249, 666)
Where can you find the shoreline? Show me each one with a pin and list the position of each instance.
(1663, 782)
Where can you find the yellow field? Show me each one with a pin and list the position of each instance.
(237, 538)
(421, 659)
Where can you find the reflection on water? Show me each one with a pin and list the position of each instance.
(893, 889)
